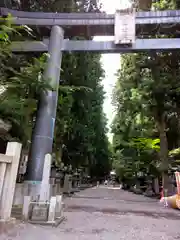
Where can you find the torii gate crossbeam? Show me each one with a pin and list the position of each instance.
(73, 19)
(102, 47)
(94, 23)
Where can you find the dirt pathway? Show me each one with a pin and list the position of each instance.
(102, 213)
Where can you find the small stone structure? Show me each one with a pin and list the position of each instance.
(25, 189)
(44, 213)
(43, 191)
(38, 206)
(67, 189)
(9, 163)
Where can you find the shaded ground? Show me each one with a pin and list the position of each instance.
(102, 213)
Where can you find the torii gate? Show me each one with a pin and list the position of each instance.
(91, 24)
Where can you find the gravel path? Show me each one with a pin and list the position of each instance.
(107, 214)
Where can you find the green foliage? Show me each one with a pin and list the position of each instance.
(174, 152)
(146, 143)
(80, 122)
(21, 85)
(85, 135)
(146, 97)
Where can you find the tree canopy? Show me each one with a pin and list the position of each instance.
(80, 134)
(146, 97)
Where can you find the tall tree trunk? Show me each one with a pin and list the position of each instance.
(161, 125)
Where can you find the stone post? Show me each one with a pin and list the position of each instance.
(26, 208)
(14, 150)
(52, 210)
(45, 186)
(59, 206)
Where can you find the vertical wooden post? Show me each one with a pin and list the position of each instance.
(2, 175)
(26, 205)
(14, 150)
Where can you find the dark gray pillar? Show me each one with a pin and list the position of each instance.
(42, 138)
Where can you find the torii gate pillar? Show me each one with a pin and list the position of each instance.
(42, 137)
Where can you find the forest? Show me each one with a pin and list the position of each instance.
(80, 140)
(146, 128)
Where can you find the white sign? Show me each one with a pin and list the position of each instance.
(125, 26)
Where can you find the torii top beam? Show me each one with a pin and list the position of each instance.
(100, 47)
(95, 23)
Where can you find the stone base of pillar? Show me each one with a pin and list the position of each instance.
(43, 213)
(39, 212)
(54, 223)
(33, 190)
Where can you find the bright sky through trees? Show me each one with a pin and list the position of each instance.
(111, 62)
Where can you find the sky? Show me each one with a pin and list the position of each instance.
(110, 62)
